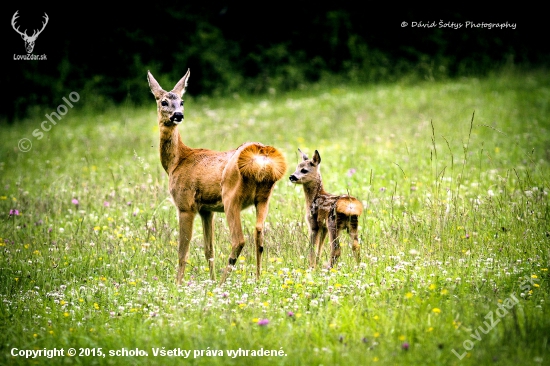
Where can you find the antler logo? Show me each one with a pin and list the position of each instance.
(29, 41)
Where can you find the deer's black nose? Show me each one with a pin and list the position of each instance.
(178, 116)
(293, 178)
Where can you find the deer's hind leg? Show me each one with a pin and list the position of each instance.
(261, 214)
(334, 238)
(353, 225)
(261, 201)
(232, 208)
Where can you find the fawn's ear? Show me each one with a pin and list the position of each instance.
(182, 84)
(304, 156)
(155, 86)
(316, 158)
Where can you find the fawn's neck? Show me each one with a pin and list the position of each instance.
(171, 147)
(313, 189)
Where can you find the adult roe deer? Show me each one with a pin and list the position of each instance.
(203, 181)
(326, 212)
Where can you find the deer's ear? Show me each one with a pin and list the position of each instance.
(316, 158)
(155, 86)
(181, 86)
(304, 156)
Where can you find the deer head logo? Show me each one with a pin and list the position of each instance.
(29, 41)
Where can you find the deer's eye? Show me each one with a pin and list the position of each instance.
(181, 103)
(164, 103)
(304, 171)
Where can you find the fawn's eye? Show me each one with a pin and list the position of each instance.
(164, 103)
(181, 103)
(304, 171)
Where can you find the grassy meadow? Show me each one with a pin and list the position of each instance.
(455, 234)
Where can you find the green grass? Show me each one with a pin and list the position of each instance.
(456, 220)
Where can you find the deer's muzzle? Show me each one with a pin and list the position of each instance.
(177, 117)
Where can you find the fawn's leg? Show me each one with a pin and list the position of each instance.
(321, 243)
(313, 237)
(207, 229)
(313, 240)
(354, 237)
(334, 238)
(186, 232)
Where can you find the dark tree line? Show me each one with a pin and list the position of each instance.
(104, 51)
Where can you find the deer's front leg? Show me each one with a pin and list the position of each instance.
(186, 232)
(311, 219)
(313, 240)
(207, 229)
(313, 236)
(321, 243)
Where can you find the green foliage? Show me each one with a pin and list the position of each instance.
(456, 226)
(246, 49)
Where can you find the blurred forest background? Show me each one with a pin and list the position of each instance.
(104, 51)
